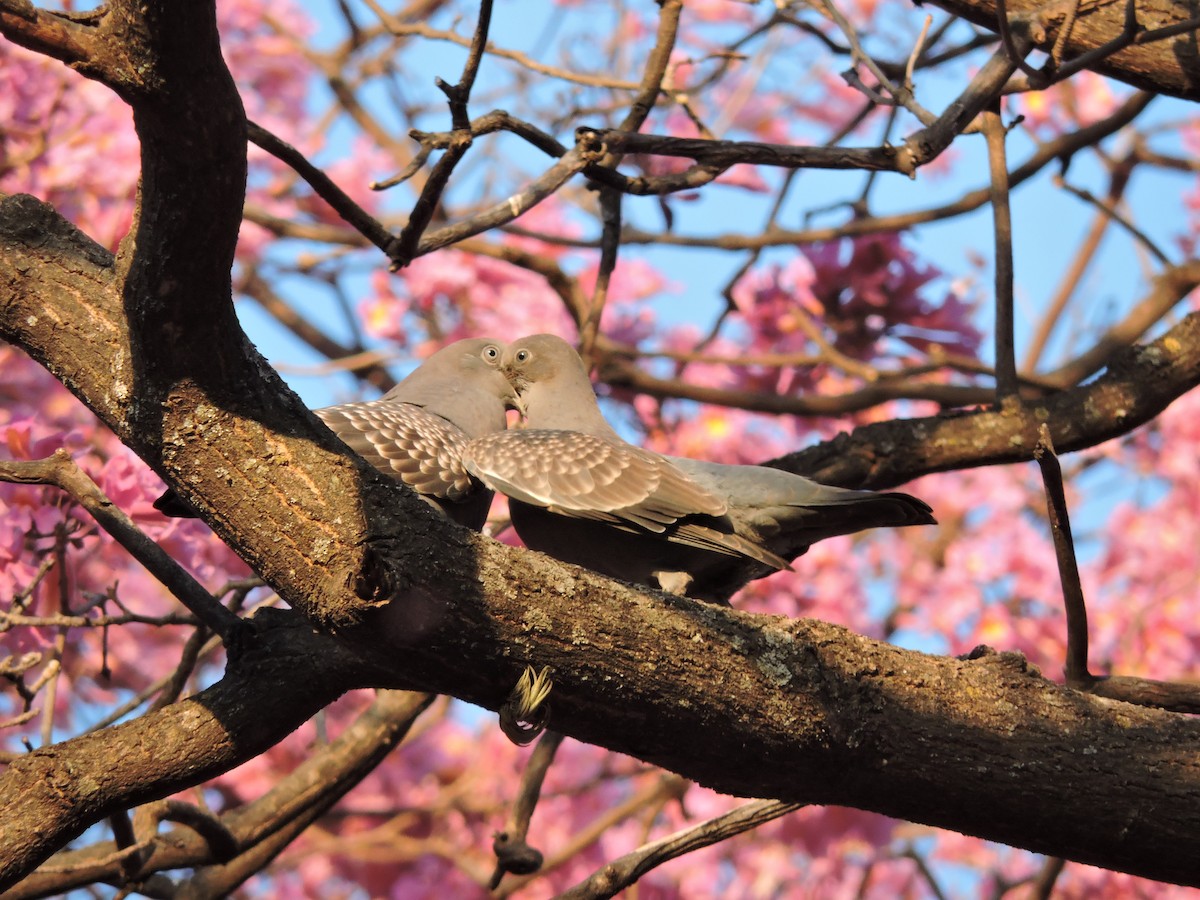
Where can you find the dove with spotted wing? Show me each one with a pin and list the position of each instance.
(417, 430)
(582, 494)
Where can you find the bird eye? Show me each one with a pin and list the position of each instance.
(491, 352)
(522, 355)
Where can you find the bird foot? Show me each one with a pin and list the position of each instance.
(673, 582)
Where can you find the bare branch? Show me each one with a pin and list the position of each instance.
(47, 32)
(1145, 62)
(1068, 569)
(1140, 382)
(1006, 359)
(513, 852)
(574, 161)
(1111, 211)
(354, 215)
(62, 472)
(404, 248)
(623, 872)
(270, 822)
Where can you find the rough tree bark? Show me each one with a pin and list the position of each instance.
(1170, 65)
(753, 705)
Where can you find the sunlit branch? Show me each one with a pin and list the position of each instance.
(1132, 33)
(657, 64)
(1096, 37)
(1139, 383)
(17, 620)
(574, 162)
(1177, 696)
(44, 31)
(655, 69)
(420, 29)
(917, 51)
(901, 95)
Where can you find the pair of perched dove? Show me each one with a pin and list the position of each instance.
(580, 493)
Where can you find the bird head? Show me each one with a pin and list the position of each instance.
(463, 383)
(480, 359)
(552, 385)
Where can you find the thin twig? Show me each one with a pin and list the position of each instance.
(1110, 210)
(1006, 360)
(421, 29)
(665, 787)
(917, 50)
(404, 248)
(575, 161)
(354, 215)
(1004, 28)
(620, 873)
(1068, 569)
(900, 94)
(513, 853)
(610, 243)
(1043, 884)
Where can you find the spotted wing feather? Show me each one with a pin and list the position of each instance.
(588, 477)
(406, 442)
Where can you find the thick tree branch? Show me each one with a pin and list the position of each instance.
(1170, 65)
(45, 32)
(1139, 384)
(799, 711)
(984, 746)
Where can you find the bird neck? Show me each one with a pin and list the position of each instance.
(476, 412)
(565, 408)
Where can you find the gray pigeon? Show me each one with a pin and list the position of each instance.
(417, 430)
(580, 493)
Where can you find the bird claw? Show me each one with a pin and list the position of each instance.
(525, 713)
(673, 582)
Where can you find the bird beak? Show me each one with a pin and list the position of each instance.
(519, 405)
